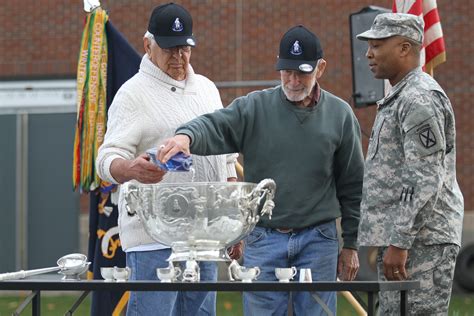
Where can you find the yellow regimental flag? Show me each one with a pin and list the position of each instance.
(91, 101)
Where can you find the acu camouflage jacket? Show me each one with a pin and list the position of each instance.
(410, 191)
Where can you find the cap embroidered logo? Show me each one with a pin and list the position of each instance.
(296, 49)
(177, 25)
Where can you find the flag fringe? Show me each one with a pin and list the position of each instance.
(435, 61)
(91, 101)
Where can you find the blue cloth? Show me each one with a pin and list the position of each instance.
(142, 303)
(315, 248)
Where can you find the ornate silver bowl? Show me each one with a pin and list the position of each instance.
(199, 220)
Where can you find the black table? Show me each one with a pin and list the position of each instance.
(36, 285)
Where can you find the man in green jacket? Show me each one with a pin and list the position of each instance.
(308, 141)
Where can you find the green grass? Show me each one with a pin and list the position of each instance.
(50, 305)
(228, 304)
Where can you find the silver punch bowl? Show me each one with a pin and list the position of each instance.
(199, 220)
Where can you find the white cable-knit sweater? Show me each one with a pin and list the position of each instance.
(146, 110)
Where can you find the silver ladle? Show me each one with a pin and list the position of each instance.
(71, 266)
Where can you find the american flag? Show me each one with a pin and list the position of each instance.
(434, 52)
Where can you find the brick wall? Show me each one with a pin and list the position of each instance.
(238, 40)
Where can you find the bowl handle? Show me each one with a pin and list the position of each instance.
(131, 197)
(265, 189)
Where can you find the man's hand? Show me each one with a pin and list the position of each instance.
(140, 169)
(348, 264)
(394, 262)
(236, 251)
(172, 146)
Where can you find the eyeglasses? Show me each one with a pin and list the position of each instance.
(177, 49)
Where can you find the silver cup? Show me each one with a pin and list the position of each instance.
(121, 274)
(285, 274)
(238, 272)
(247, 274)
(305, 275)
(168, 274)
(107, 273)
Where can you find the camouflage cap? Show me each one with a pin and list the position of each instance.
(391, 24)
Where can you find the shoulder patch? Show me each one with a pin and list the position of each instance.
(427, 136)
(424, 140)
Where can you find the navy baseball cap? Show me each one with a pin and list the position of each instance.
(300, 50)
(171, 25)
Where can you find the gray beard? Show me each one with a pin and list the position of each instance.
(292, 99)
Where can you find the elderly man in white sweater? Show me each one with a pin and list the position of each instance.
(147, 109)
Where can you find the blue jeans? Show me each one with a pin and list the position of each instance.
(316, 248)
(142, 303)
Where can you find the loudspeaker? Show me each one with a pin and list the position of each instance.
(366, 89)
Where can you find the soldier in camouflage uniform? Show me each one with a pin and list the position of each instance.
(412, 207)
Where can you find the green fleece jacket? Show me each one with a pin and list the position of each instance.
(314, 155)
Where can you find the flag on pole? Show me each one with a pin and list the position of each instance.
(106, 61)
(91, 101)
(433, 52)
